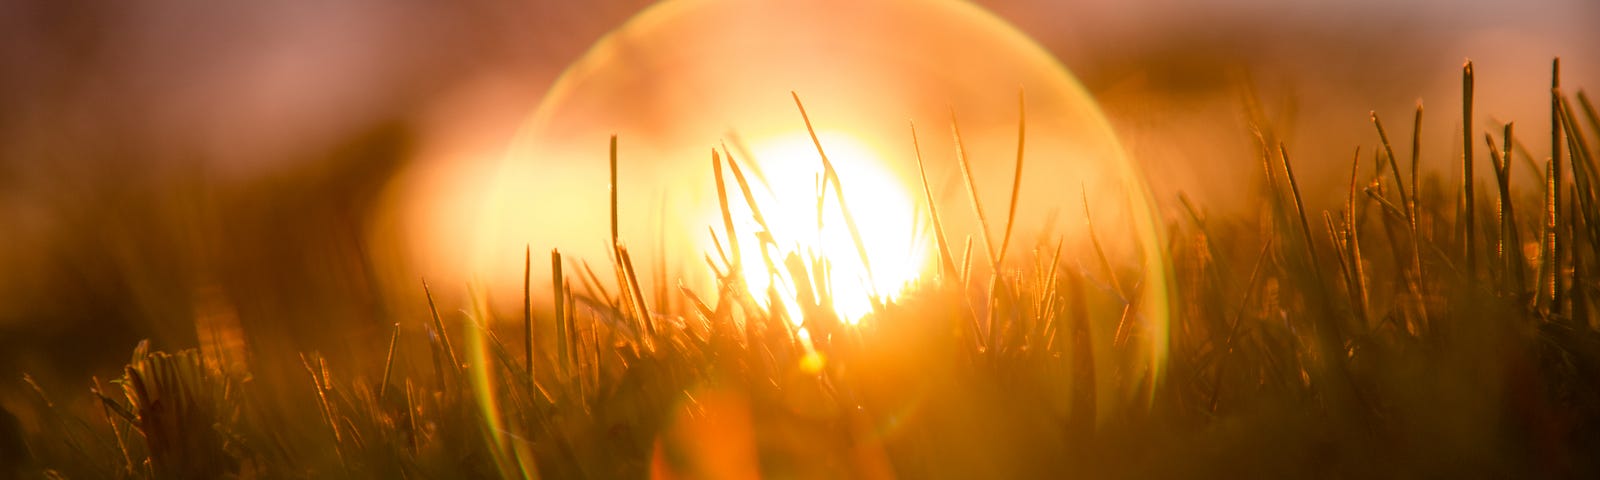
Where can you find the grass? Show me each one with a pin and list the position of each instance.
(1379, 342)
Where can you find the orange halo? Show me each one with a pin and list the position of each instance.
(687, 76)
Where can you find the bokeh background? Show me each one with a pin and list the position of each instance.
(268, 167)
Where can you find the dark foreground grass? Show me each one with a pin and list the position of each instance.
(1419, 330)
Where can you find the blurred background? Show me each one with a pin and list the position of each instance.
(173, 168)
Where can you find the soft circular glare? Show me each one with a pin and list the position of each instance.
(685, 77)
(786, 193)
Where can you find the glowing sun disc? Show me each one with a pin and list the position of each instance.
(878, 202)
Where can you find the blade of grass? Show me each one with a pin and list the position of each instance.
(631, 280)
(1353, 239)
(700, 307)
(1336, 237)
(744, 151)
(1048, 311)
(444, 336)
(1467, 85)
(763, 236)
(1589, 112)
(1194, 213)
(749, 198)
(716, 271)
(613, 189)
(1416, 159)
(107, 407)
(388, 363)
(1548, 279)
(527, 309)
(1016, 179)
(972, 191)
(1394, 164)
(1532, 164)
(1418, 274)
(591, 283)
(1218, 267)
(1581, 156)
(1388, 207)
(1554, 199)
(1510, 247)
(1411, 274)
(415, 434)
(1300, 210)
(716, 244)
(844, 208)
(659, 275)
(1585, 176)
(966, 262)
(1577, 297)
(727, 216)
(328, 416)
(933, 211)
(558, 286)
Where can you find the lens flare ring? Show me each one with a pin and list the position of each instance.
(673, 81)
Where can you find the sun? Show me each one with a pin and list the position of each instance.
(805, 218)
(684, 77)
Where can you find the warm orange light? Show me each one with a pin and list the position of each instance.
(812, 361)
(686, 76)
(787, 194)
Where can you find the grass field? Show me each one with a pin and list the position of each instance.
(1431, 327)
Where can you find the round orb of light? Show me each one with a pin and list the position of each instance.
(686, 77)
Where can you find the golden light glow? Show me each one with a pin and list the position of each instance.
(787, 193)
(674, 81)
(812, 361)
